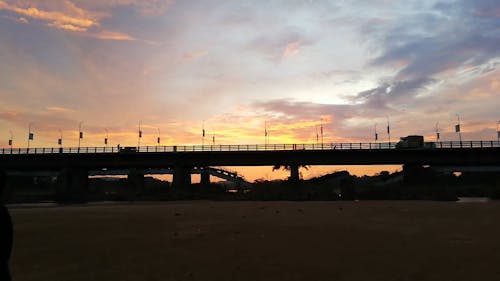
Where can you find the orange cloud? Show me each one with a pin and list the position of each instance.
(77, 18)
(291, 49)
(112, 35)
(66, 16)
(194, 55)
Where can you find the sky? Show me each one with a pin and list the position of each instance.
(234, 66)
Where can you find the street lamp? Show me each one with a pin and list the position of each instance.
(321, 131)
(437, 131)
(30, 135)
(498, 132)
(11, 140)
(457, 128)
(389, 130)
(59, 140)
(202, 134)
(106, 138)
(140, 136)
(80, 134)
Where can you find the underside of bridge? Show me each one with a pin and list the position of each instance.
(72, 186)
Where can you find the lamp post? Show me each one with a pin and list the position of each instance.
(321, 131)
(498, 131)
(60, 139)
(266, 134)
(106, 138)
(457, 129)
(11, 140)
(80, 134)
(202, 134)
(158, 139)
(317, 135)
(30, 135)
(140, 136)
(437, 131)
(389, 130)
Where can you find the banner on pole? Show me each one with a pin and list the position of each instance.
(31, 136)
(457, 128)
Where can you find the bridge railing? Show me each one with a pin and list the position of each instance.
(244, 147)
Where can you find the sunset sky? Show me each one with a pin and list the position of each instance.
(238, 64)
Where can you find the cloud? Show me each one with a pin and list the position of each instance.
(112, 35)
(74, 18)
(59, 109)
(146, 8)
(292, 48)
(65, 15)
(441, 40)
(187, 57)
(381, 97)
(286, 43)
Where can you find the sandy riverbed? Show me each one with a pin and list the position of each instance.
(219, 241)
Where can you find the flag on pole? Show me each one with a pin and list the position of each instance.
(457, 128)
(203, 132)
(81, 135)
(105, 140)
(59, 141)
(388, 129)
(140, 133)
(376, 136)
(30, 136)
(158, 140)
(213, 139)
(437, 136)
(10, 142)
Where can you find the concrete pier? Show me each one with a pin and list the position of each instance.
(205, 177)
(182, 177)
(72, 186)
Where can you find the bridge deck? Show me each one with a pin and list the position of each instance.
(243, 147)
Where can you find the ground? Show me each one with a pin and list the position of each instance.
(204, 240)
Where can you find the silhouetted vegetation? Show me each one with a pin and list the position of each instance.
(414, 183)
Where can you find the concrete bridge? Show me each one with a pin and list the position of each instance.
(73, 164)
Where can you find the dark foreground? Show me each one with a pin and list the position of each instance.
(218, 241)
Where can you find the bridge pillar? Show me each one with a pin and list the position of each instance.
(205, 177)
(3, 186)
(413, 173)
(72, 186)
(294, 173)
(182, 177)
(135, 184)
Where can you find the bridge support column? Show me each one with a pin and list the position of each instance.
(182, 177)
(205, 177)
(135, 184)
(72, 186)
(413, 173)
(294, 173)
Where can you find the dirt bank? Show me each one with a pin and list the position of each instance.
(259, 241)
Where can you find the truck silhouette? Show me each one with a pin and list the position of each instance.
(414, 141)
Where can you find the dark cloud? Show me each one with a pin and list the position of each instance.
(447, 37)
(381, 97)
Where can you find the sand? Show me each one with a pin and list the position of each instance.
(204, 240)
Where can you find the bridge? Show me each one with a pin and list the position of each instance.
(73, 164)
